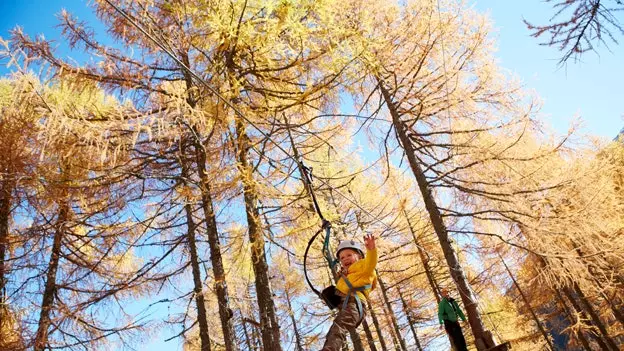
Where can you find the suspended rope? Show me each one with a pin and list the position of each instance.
(306, 173)
(306, 177)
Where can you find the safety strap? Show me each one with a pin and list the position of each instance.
(353, 291)
(306, 177)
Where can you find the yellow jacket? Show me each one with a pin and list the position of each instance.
(361, 273)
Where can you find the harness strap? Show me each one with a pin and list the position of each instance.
(353, 291)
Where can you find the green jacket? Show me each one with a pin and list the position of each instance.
(446, 312)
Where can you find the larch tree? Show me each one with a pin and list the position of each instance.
(18, 162)
(150, 76)
(578, 26)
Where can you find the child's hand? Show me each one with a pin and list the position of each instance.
(369, 242)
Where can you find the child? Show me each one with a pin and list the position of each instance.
(357, 278)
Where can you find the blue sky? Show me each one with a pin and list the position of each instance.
(590, 88)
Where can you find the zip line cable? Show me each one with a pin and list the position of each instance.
(236, 111)
(305, 172)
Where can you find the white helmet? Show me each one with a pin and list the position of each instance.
(350, 244)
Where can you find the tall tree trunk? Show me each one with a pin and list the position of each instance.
(298, 341)
(268, 319)
(433, 283)
(391, 315)
(617, 313)
(5, 214)
(568, 293)
(595, 317)
(579, 334)
(225, 313)
(483, 339)
(410, 320)
(528, 305)
(202, 317)
(369, 336)
(247, 337)
(47, 302)
(380, 334)
(585, 307)
(356, 340)
(435, 289)
(393, 335)
(220, 285)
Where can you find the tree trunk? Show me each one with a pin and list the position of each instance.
(5, 214)
(568, 293)
(268, 319)
(410, 320)
(298, 343)
(220, 285)
(47, 303)
(391, 315)
(395, 341)
(225, 313)
(528, 305)
(580, 335)
(369, 336)
(483, 340)
(202, 318)
(380, 336)
(605, 341)
(595, 317)
(247, 338)
(356, 340)
(435, 289)
(617, 313)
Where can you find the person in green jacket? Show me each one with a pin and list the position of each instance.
(448, 313)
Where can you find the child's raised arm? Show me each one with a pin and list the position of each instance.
(369, 242)
(370, 259)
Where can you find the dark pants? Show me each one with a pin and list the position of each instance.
(455, 332)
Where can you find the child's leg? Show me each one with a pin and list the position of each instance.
(346, 320)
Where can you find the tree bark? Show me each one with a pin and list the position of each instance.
(225, 313)
(47, 303)
(483, 340)
(202, 318)
(380, 336)
(528, 305)
(604, 339)
(617, 313)
(356, 340)
(5, 214)
(410, 320)
(269, 326)
(595, 317)
(220, 285)
(391, 315)
(580, 335)
(298, 342)
(369, 336)
(568, 293)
